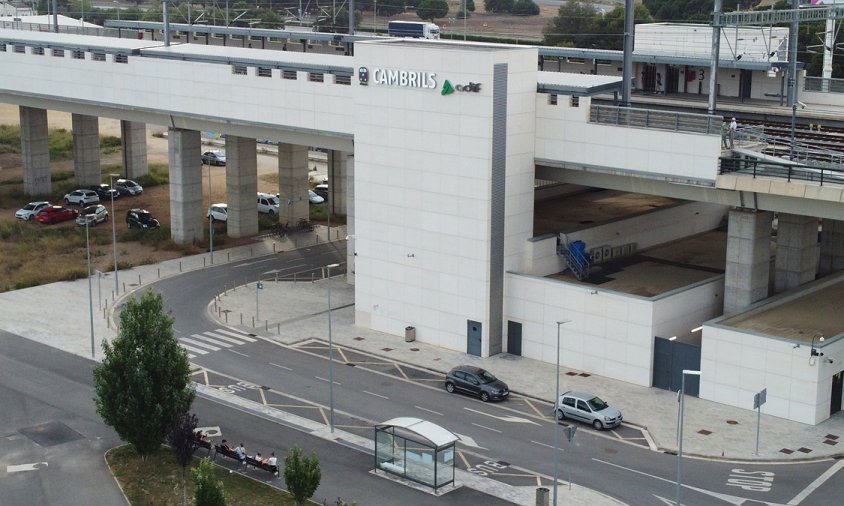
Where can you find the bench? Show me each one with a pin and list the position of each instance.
(393, 468)
(204, 443)
(219, 450)
(260, 465)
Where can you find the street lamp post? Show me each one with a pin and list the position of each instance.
(210, 217)
(114, 232)
(680, 438)
(557, 426)
(330, 354)
(90, 290)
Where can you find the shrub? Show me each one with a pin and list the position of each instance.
(525, 8)
(208, 489)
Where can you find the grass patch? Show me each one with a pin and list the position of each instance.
(158, 480)
(159, 174)
(319, 212)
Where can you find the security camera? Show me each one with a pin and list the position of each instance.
(801, 104)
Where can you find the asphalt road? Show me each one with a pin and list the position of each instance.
(520, 439)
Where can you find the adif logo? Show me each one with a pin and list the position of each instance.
(448, 88)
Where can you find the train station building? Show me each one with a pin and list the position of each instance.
(496, 207)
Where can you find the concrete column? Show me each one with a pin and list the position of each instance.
(832, 247)
(293, 182)
(35, 151)
(86, 150)
(338, 181)
(797, 251)
(133, 134)
(241, 186)
(748, 259)
(186, 209)
(350, 218)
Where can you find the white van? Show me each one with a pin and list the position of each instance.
(267, 204)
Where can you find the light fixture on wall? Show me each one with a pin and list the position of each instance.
(815, 353)
(829, 360)
(796, 345)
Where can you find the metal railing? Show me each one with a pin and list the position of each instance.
(651, 118)
(789, 171)
(823, 84)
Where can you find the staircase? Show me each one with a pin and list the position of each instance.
(576, 258)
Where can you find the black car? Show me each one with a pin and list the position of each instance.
(141, 218)
(105, 192)
(476, 381)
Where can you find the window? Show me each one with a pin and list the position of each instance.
(121, 58)
(347, 80)
(568, 401)
(603, 62)
(3, 48)
(576, 60)
(20, 48)
(38, 50)
(98, 56)
(552, 99)
(574, 102)
(239, 70)
(288, 74)
(78, 55)
(58, 53)
(264, 72)
(316, 77)
(582, 406)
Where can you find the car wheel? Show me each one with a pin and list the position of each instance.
(67, 202)
(52, 221)
(598, 425)
(484, 396)
(561, 415)
(30, 217)
(271, 212)
(449, 387)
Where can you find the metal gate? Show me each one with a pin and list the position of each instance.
(473, 338)
(514, 338)
(670, 358)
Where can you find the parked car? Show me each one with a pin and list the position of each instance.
(313, 198)
(218, 212)
(214, 157)
(82, 197)
(92, 215)
(267, 204)
(588, 408)
(55, 214)
(141, 218)
(128, 187)
(322, 191)
(476, 381)
(29, 211)
(105, 192)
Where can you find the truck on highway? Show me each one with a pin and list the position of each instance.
(418, 30)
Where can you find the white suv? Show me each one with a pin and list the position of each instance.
(82, 197)
(267, 204)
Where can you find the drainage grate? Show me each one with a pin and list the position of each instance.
(786, 451)
(831, 442)
(704, 432)
(51, 434)
(804, 450)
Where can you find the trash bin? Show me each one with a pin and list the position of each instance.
(409, 334)
(543, 497)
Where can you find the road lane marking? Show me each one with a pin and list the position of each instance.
(545, 445)
(239, 353)
(428, 410)
(468, 441)
(485, 427)
(211, 340)
(325, 380)
(281, 367)
(508, 418)
(530, 404)
(194, 350)
(194, 342)
(817, 483)
(25, 467)
(215, 335)
(376, 395)
(464, 459)
(233, 334)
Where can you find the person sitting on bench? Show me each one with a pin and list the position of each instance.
(240, 451)
(258, 457)
(270, 461)
(225, 446)
(202, 437)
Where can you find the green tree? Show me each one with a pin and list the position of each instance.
(142, 385)
(498, 6)
(572, 26)
(301, 474)
(470, 5)
(611, 26)
(432, 9)
(208, 490)
(525, 8)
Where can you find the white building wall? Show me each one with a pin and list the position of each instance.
(677, 312)
(565, 133)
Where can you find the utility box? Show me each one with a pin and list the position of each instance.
(409, 334)
(543, 497)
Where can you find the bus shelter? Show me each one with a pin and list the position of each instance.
(416, 450)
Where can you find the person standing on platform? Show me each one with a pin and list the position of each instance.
(725, 132)
(733, 127)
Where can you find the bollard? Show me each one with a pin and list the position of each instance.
(250, 252)
(159, 273)
(228, 256)
(124, 287)
(294, 278)
(227, 317)
(278, 330)
(180, 266)
(203, 262)
(276, 277)
(273, 247)
(241, 318)
(266, 326)
(139, 279)
(312, 277)
(253, 322)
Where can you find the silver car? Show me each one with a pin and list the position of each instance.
(587, 408)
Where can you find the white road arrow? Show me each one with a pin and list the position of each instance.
(468, 441)
(511, 419)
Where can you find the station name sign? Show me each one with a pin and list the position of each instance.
(412, 79)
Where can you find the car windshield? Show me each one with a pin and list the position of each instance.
(91, 210)
(486, 377)
(597, 404)
(131, 183)
(29, 207)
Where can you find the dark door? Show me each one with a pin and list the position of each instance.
(514, 338)
(649, 78)
(837, 391)
(473, 338)
(746, 80)
(670, 358)
(672, 79)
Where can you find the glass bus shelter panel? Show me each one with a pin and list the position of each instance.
(445, 466)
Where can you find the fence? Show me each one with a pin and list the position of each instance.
(789, 171)
(651, 118)
(823, 84)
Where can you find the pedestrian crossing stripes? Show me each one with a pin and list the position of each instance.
(208, 341)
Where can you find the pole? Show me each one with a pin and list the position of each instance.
(330, 354)
(557, 426)
(114, 232)
(758, 421)
(792, 54)
(210, 217)
(166, 5)
(257, 290)
(627, 80)
(680, 445)
(56, 16)
(351, 17)
(465, 15)
(716, 53)
(90, 294)
(793, 125)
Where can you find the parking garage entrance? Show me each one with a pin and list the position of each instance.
(670, 358)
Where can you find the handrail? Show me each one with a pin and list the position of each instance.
(651, 118)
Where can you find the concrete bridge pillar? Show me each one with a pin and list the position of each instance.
(35, 151)
(338, 181)
(831, 247)
(133, 135)
(241, 186)
(86, 150)
(293, 182)
(748, 259)
(797, 251)
(186, 209)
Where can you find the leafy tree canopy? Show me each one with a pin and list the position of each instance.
(432, 9)
(498, 6)
(525, 8)
(301, 474)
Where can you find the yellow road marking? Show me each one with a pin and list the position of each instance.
(530, 404)
(463, 458)
(402, 371)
